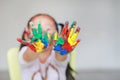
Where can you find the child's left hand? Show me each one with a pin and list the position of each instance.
(66, 42)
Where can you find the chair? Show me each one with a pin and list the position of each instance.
(13, 64)
(73, 61)
(14, 67)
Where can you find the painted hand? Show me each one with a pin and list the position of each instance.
(38, 42)
(67, 41)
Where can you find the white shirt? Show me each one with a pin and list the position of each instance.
(52, 69)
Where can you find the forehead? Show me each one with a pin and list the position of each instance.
(47, 23)
(43, 19)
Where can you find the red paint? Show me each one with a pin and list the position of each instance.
(78, 29)
(31, 47)
(76, 42)
(64, 31)
(26, 43)
(68, 47)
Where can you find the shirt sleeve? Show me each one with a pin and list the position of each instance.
(22, 62)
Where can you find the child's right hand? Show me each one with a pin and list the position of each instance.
(38, 42)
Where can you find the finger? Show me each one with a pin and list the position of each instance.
(26, 43)
(64, 31)
(32, 25)
(71, 29)
(22, 41)
(73, 24)
(35, 33)
(39, 29)
(45, 43)
(76, 43)
(52, 38)
(46, 40)
(74, 36)
(55, 36)
(46, 37)
(31, 47)
(26, 36)
(38, 45)
(49, 37)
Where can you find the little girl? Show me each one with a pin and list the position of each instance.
(45, 65)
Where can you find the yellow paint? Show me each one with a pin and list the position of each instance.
(72, 36)
(38, 45)
(55, 36)
(71, 32)
(49, 38)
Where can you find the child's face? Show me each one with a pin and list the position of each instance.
(47, 24)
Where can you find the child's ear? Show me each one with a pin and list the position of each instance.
(26, 34)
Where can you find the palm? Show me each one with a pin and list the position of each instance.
(67, 41)
(38, 42)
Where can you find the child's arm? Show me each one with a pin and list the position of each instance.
(36, 45)
(60, 57)
(29, 55)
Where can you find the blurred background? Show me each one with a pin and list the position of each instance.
(98, 55)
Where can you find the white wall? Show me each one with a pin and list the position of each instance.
(99, 22)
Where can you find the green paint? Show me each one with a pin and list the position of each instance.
(73, 23)
(40, 30)
(46, 37)
(37, 34)
(60, 41)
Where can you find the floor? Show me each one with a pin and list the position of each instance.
(82, 75)
(98, 75)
